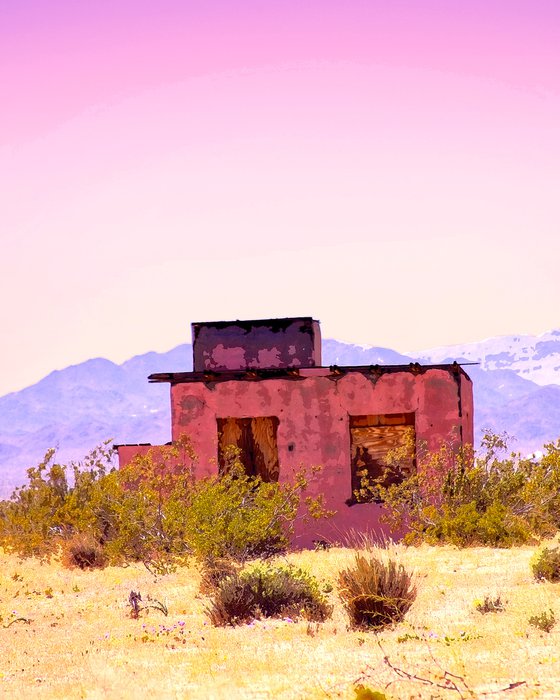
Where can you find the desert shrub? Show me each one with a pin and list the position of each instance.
(375, 594)
(544, 622)
(486, 499)
(241, 517)
(54, 504)
(132, 513)
(152, 510)
(546, 564)
(363, 692)
(83, 551)
(140, 509)
(214, 571)
(490, 605)
(264, 590)
(493, 526)
(165, 514)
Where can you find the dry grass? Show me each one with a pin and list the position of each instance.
(80, 641)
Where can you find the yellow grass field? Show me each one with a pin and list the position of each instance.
(78, 640)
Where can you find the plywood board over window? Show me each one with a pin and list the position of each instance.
(256, 439)
(372, 437)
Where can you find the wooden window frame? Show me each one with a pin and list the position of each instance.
(365, 454)
(257, 437)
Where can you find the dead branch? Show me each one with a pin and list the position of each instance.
(17, 619)
(511, 686)
(135, 599)
(449, 681)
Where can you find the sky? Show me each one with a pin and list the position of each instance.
(391, 168)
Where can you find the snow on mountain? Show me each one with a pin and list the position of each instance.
(532, 357)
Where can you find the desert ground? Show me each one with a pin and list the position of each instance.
(67, 633)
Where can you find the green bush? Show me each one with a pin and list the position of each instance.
(240, 517)
(135, 513)
(55, 503)
(546, 564)
(139, 509)
(544, 622)
(152, 510)
(465, 525)
(465, 499)
(264, 590)
(375, 594)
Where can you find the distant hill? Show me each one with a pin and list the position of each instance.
(76, 408)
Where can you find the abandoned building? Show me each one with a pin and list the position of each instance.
(260, 385)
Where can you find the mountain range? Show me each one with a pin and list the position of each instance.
(516, 387)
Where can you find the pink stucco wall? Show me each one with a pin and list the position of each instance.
(127, 453)
(313, 429)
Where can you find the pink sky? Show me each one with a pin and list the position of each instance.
(390, 168)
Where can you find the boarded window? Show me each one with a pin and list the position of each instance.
(256, 438)
(371, 438)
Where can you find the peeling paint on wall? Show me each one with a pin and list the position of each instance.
(291, 342)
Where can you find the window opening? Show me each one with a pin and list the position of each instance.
(371, 438)
(257, 440)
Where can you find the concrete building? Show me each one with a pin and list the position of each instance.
(260, 385)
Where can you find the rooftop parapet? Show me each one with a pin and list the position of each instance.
(276, 343)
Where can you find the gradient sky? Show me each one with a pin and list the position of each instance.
(391, 168)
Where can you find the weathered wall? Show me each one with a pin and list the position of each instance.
(127, 453)
(467, 410)
(313, 424)
(274, 343)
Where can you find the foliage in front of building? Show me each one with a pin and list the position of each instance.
(152, 510)
(494, 498)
